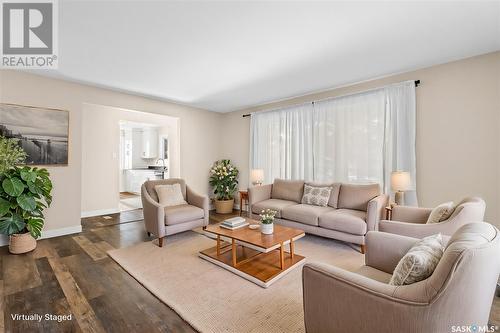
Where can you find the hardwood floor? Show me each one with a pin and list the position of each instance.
(73, 275)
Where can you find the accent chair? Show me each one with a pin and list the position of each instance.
(411, 221)
(458, 293)
(164, 221)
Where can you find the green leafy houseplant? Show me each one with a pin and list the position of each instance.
(224, 179)
(24, 193)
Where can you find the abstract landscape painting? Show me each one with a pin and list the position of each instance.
(42, 133)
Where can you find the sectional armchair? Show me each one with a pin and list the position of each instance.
(352, 210)
(411, 221)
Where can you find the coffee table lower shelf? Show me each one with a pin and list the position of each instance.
(258, 267)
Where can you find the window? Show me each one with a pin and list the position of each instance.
(358, 138)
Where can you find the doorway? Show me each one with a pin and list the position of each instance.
(120, 150)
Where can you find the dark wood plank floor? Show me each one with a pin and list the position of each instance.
(73, 275)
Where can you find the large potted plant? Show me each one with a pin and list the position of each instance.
(224, 181)
(24, 193)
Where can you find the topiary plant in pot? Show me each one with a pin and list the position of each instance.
(24, 193)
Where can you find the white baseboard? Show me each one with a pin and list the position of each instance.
(4, 240)
(61, 231)
(99, 212)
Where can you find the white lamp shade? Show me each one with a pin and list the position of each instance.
(257, 176)
(400, 181)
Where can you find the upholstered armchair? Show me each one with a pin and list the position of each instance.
(459, 292)
(411, 221)
(163, 221)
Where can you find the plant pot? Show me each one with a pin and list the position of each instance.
(267, 229)
(224, 206)
(21, 243)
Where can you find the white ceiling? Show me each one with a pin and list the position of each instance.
(225, 56)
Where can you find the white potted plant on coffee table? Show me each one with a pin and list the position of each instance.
(267, 221)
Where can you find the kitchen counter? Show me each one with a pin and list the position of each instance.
(147, 169)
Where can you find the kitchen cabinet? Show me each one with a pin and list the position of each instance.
(135, 178)
(149, 143)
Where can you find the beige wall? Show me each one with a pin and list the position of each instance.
(199, 134)
(458, 124)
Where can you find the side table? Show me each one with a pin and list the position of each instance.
(388, 212)
(243, 199)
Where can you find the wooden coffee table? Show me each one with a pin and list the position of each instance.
(252, 255)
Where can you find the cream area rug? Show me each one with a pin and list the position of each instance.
(212, 299)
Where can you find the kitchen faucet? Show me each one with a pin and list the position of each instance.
(162, 161)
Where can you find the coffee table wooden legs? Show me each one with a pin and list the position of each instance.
(282, 256)
(218, 245)
(233, 250)
(234, 256)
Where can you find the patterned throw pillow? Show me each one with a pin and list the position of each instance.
(419, 262)
(316, 195)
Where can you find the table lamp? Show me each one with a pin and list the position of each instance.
(400, 182)
(257, 176)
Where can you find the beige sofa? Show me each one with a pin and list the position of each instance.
(163, 221)
(352, 211)
(458, 293)
(411, 221)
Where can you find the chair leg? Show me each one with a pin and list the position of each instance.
(362, 248)
(160, 241)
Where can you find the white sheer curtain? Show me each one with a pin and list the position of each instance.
(348, 138)
(281, 143)
(400, 134)
(358, 138)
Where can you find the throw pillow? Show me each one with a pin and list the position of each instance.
(441, 212)
(419, 262)
(170, 195)
(316, 195)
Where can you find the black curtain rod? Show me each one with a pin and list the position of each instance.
(417, 83)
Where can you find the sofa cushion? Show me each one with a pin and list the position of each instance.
(334, 194)
(291, 190)
(345, 220)
(354, 196)
(274, 204)
(182, 213)
(316, 195)
(307, 214)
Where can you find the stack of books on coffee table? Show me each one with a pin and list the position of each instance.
(234, 223)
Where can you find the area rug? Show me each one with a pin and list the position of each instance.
(212, 299)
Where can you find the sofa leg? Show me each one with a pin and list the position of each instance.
(362, 248)
(149, 234)
(160, 241)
